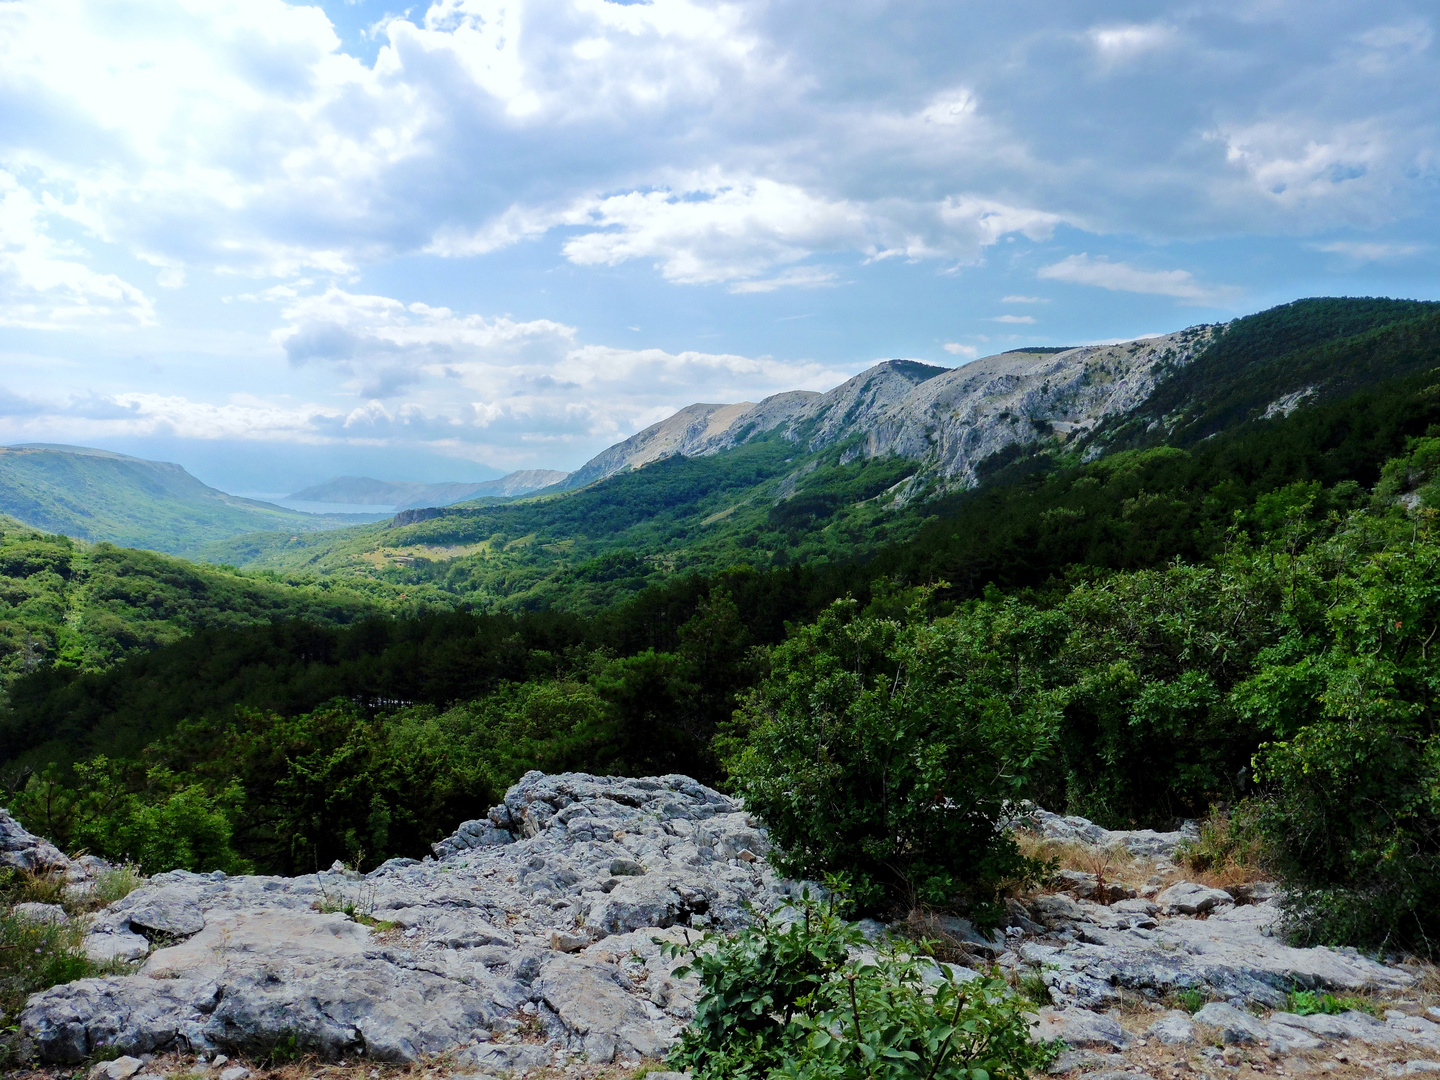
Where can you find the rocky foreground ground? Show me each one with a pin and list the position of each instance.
(530, 945)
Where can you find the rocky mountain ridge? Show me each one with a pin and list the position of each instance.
(534, 941)
(948, 420)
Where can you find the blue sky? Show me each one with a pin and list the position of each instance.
(277, 242)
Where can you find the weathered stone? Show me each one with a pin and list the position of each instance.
(41, 913)
(162, 914)
(1077, 830)
(22, 850)
(1233, 1026)
(1175, 1028)
(106, 948)
(235, 1072)
(472, 942)
(1080, 1028)
(599, 1012)
(1075, 1060)
(121, 1068)
(1189, 898)
(560, 941)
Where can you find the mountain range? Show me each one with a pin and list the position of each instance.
(795, 478)
(364, 491)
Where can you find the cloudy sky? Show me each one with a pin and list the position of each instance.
(277, 242)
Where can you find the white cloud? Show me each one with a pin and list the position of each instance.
(798, 277)
(954, 348)
(496, 381)
(1024, 300)
(721, 229)
(1371, 251)
(1122, 277)
(45, 284)
(1118, 44)
(1027, 320)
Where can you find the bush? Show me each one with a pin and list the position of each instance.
(1351, 813)
(891, 751)
(789, 998)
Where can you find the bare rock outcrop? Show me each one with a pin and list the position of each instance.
(519, 918)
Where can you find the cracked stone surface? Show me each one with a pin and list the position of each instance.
(551, 931)
(535, 940)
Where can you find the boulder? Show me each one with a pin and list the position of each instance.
(41, 913)
(1078, 830)
(1175, 1028)
(1190, 898)
(1231, 1025)
(1080, 1028)
(21, 849)
(1113, 956)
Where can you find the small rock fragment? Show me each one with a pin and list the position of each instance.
(561, 941)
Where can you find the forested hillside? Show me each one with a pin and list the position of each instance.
(97, 495)
(69, 607)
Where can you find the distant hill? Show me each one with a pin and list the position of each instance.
(364, 491)
(98, 495)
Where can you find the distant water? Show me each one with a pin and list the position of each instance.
(372, 509)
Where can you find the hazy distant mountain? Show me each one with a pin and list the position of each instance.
(99, 495)
(403, 495)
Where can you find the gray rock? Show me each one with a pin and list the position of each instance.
(23, 850)
(510, 1057)
(1078, 830)
(235, 1072)
(162, 913)
(41, 913)
(257, 961)
(1175, 1028)
(1232, 954)
(1073, 1060)
(1189, 898)
(121, 1068)
(1233, 1026)
(1081, 1029)
(106, 948)
(598, 1012)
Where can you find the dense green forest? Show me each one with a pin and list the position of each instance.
(67, 606)
(1244, 616)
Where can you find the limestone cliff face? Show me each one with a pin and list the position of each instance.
(949, 420)
(954, 422)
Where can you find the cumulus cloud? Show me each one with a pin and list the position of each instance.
(967, 352)
(499, 381)
(1026, 320)
(1122, 277)
(45, 285)
(726, 230)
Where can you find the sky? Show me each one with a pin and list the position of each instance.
(277, 243)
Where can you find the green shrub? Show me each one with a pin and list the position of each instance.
(158, 821)
(34, 956)
(787, 998)
(1228, 839)
(890, 751)
(1351, 817)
